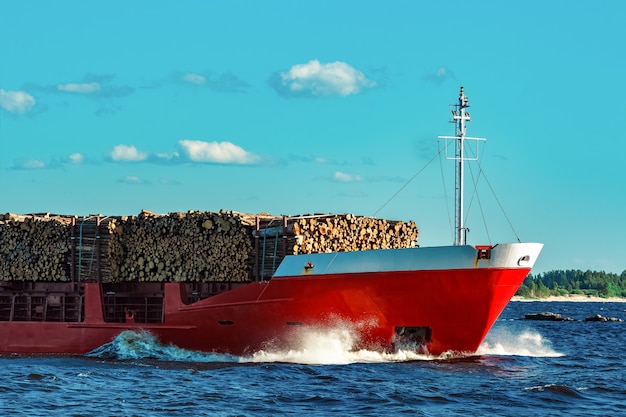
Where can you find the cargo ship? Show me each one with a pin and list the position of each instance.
(428, 299)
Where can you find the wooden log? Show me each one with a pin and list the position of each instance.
(193, 246)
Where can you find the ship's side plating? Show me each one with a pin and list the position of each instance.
(383, 297)
(444, 298)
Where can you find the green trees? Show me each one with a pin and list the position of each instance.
(594, 283)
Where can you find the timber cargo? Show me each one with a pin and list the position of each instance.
(195, 246)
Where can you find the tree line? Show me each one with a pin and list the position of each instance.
(575, 282)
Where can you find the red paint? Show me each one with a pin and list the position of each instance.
(459, 306)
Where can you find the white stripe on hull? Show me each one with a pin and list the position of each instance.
(508, 255)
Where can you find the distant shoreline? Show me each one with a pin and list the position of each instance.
(572, 298)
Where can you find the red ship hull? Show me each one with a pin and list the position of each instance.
(436, 309)
(429, 299)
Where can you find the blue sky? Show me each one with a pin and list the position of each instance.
(296, 107)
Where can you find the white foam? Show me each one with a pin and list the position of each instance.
(330, 346)
(524, 343)
(324, 346)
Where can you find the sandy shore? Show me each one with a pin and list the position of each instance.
(574, 298)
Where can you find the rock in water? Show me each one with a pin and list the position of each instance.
(547, 316)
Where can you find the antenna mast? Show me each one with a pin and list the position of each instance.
(459, 117)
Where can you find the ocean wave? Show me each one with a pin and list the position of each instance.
(322, 346)
(329, 346)
(142, 345)
(561, 390)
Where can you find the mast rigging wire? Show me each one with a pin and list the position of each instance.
(406, 184)
(481, 173)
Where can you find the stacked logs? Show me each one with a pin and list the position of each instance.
(351, 233)
(33, 247)
(320, 233)
(195, 246)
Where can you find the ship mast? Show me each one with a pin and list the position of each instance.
(459, 117)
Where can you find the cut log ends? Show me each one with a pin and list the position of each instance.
(194, 246)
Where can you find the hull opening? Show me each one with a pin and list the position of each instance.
(414, 338)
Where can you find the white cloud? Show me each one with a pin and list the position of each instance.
(168, 156)
(194, 78)
(216, 152)
(76, 158)
(30, 164)
(16, 101)
(343, 177)
(127, 153)
(168, 181)
(83, 88)
(441, 75)
(335, 78)
(133, 179)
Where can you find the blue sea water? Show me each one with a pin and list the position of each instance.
(524, 367)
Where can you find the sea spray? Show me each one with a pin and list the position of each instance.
(319, 346)
(322, 346)
(142, 345)
(331, 345)
(526, 342)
